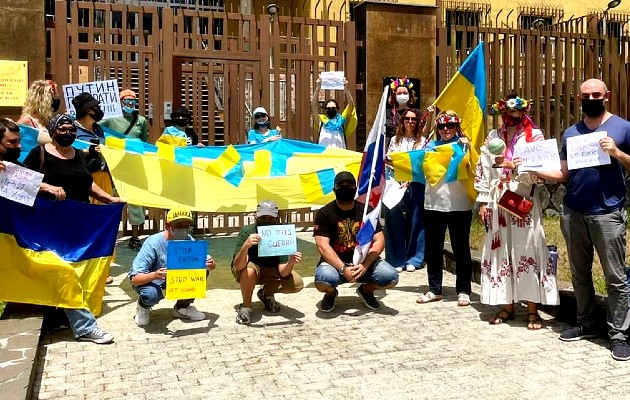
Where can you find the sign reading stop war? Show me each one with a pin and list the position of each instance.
(277, 240)
(186, 269)
(584, 151)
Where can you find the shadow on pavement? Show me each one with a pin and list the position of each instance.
(353, 306)
(160, 319)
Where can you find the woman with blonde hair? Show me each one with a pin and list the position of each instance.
(447, 205)
(41, 104)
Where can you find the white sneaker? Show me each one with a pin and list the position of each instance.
(189, 312)
(399, 269)
(143, 315)
(410, 268)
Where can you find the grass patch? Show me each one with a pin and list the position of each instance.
(221, 249)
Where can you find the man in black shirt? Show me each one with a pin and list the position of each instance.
(275, 273)
(336, 228)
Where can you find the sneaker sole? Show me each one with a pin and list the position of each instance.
(326, 311)
(620, 358)
(176, 314)
(575, 339)
(97, 341)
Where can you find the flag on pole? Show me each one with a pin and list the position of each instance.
(371, 181)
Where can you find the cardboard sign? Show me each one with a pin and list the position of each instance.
(277, 240)
(13, 83)
(186, 269)
(538, 156)
(584, 151)
(332, 80)
(19, 184)
(104, 91)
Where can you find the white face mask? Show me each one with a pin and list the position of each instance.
(402, 99)
(180, 234)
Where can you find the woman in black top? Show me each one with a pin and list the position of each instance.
(66, 175)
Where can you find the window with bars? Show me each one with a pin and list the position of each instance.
(461, 18)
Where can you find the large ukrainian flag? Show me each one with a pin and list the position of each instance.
(57, 253)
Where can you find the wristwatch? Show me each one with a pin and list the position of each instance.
(342, 269)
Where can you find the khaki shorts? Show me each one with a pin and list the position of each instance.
(271, 278)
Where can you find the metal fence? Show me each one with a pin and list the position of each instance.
(546, 66)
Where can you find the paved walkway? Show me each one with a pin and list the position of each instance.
(404, 351)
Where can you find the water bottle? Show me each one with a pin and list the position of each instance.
(553, 258)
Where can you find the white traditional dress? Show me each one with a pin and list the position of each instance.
(515, 264)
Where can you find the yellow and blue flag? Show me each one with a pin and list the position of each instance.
(57, 253)
(446, 160)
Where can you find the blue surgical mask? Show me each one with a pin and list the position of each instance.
(128, 110)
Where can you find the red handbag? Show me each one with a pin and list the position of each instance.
(515, 204)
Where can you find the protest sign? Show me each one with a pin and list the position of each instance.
(585, 151)
(19, 184)
(186, 269)
(538, 156)
(332, 80)
(13, 83)
(277, 240)
(104, 91)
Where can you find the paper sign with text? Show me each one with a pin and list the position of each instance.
(332, 80)
(277, 240)
(104, 91)
(13, 83)
(186, 269)
(585, 151)
(19, 184)
(538, 156)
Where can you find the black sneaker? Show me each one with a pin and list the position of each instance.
(577, 333)
(368, 299)
(269, 301)
(328, 302)
(620, 350)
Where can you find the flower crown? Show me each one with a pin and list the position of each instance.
(396, 83)
(517, 103)
(445, 119)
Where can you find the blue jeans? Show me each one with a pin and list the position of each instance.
(380, 273)
(151, 294)
(415, 214)
(396, 234)
(81, 321)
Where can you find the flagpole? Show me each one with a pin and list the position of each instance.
(379, 123)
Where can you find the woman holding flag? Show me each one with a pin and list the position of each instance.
(515, 262)
(447, 205)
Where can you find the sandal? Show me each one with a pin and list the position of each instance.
(463, 299)
(535, 320)
(502, 316)
(428, 297)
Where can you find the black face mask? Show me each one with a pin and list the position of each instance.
(181, 122)
(98, 114)
(345, 194)
(331, 113)
(593, 107)
(55, 104)
(12, 154)
(65, 140)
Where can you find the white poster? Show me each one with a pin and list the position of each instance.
(19, 184)
(104, 91)
(538, 156)
(332, 80)
(585, 151)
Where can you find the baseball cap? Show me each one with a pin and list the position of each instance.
(128, 93)
(345, 176)
(268, 208)
(84, 102)
(180, 112)
(260, 110)
(178, 214)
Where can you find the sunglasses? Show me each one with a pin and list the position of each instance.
(65, 130)
(410, 119)
(450, 125)
(258, 116)
(130, 102)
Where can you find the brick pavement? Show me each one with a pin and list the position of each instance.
(404, 351)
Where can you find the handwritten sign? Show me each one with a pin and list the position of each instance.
(584, 151)
(19, 184)
(104, 91)
(186, 269)
(277, 240)
(332, 80)
(13, 83)
(538, 156)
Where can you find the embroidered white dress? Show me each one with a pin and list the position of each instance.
(515, 262)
